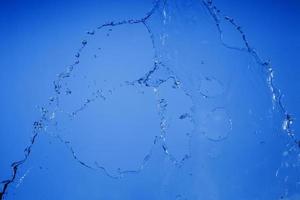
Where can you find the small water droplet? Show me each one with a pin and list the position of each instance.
(92, 32)
(84, 42)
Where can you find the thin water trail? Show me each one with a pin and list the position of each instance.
(276, 94)
(40, 125)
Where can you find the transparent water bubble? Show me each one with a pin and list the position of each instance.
(216, 125)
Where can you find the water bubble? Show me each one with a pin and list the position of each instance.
(217, 124)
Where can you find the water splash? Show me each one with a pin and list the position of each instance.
(157, 77)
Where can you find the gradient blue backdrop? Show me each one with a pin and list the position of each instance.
(39, 40)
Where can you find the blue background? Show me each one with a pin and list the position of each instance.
(202, 126)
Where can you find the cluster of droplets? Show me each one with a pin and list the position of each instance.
(49, 111)
(275, 91)
(276, 94)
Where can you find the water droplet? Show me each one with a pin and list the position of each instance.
(90, 32)
(84, 42)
